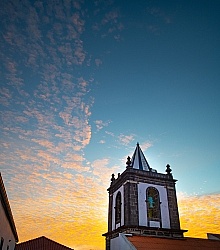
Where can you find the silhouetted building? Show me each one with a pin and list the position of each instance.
(143, 211)
(41, 243)
(8, 233)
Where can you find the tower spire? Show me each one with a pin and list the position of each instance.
(139, 161)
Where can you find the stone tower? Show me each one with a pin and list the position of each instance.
(143, 202)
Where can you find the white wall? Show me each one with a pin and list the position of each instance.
(121, 189)
(5, 230)
(142, 187)
(121, 243)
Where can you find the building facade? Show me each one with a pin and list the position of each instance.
(8, 233)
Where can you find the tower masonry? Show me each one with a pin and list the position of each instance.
(142, 202)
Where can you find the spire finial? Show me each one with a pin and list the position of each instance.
(168, 169)
(113, 178)
(128, 163)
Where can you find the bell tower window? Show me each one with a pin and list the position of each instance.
(118, 208)
(153, 204)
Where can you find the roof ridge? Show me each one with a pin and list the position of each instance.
(45, 239)
(31, 240)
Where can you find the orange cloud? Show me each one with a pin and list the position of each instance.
(200, 214)
(71, 209)
(101, 124)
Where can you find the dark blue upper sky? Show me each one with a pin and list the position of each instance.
(162, 77)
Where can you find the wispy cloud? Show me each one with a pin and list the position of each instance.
(46, 107)
(101, 124)
(199, 214)
(159, 14)
(125, 139)
(102, 170)
(98, 62)
(102, 141)
(63, 204)
(160, 18)
(108, 23)
(146, 145)
(110, 133)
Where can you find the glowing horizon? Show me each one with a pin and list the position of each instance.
(84, 231)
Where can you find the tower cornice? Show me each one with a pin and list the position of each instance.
(136, 175)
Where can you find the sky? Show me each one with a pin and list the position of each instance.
(81, 82)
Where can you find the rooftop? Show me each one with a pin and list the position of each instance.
(41, 243)
(155, 243)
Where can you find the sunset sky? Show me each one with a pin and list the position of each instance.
(81, 82)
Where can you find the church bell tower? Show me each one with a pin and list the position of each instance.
(142, 202)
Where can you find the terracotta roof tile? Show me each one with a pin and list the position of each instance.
(154, 243)
(41, 243)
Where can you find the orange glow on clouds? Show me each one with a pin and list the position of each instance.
(200, 214)
(78, 220)
(72, 222)
(68, 208)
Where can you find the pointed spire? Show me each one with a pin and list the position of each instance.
(139, 161)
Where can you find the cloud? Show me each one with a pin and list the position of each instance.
(75, 166)
(111, 16)
(199, 214)
(159, 18)
(146, 145)
(110, 133)
(125, 139)
(45, 120)
(98, 62)
(68, 203)
(102, 141)
(79, 54)
(101, 124)
(108, 22)
(159, 14)
(102, 171)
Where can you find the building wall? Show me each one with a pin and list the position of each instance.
(173, 207)
(131, 203)
(121, 189)
(5, 231)
(165, 218)
(110, 207)
(121, 243)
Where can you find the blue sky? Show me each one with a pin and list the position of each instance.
(82, 82)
